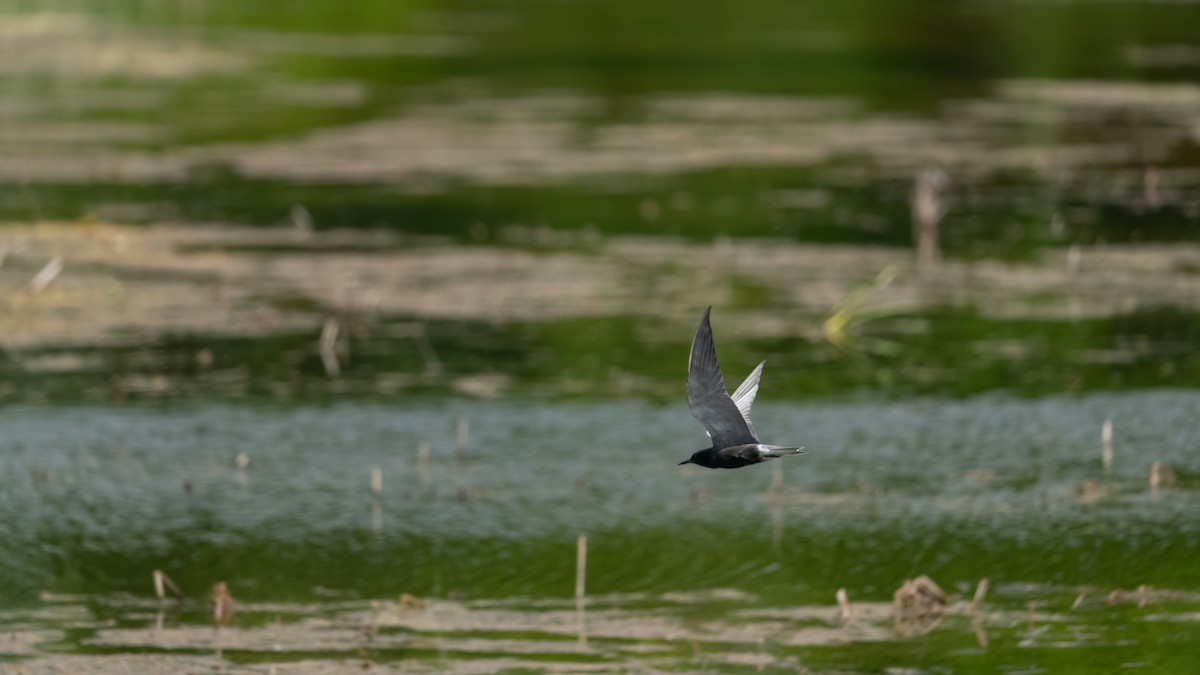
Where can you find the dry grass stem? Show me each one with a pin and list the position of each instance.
(327, 346)
(980, 593)
(1161, 476)
(423, 460)
(463, 436)
(1106, 446)
(47, 274)
(927, 211)
(843, 605)
(162, 583)
(221, 604)
(376, 481)
(580, 585)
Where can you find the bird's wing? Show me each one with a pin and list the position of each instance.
(706, 393)
(743, 396)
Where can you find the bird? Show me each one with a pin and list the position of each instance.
(726, 418)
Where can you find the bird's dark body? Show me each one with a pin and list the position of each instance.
(726, 418)
(737, 456)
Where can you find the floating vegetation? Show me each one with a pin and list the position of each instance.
(485, 322)
(717, 629)
(919, 604)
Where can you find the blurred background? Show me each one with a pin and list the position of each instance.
(336, 302)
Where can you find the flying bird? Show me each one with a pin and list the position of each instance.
(727, 418)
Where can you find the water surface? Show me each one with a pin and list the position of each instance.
(513, 213)
(991, 487)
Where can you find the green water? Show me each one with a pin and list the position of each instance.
(858, 93)
(98, 498)
(944, 352)
(947, 439)
(488, 521)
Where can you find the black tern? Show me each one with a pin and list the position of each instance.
(727, 418)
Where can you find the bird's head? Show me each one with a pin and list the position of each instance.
(699, 457)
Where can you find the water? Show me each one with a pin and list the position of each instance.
(99, 497)
(481, 120)
(514, 213)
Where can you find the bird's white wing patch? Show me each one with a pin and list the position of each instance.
(743, 397)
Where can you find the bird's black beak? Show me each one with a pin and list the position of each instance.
(686, 461)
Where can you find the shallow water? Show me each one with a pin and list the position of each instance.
(515, 211)
(99, 497)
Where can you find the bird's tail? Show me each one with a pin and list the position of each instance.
(783, 452)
